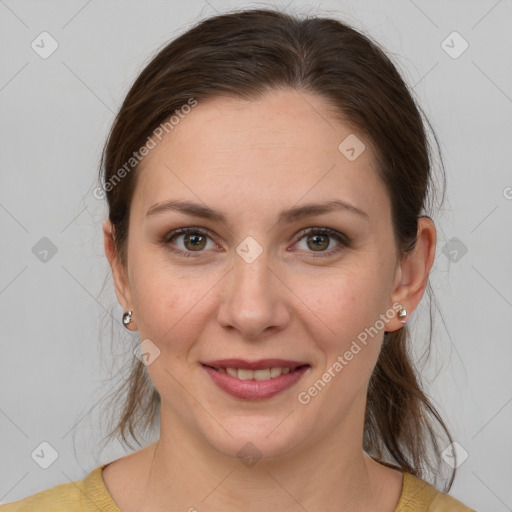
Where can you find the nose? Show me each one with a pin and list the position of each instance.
(254, 299)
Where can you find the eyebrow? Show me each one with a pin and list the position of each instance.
(285, 216)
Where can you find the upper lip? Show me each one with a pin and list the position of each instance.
(254, 365)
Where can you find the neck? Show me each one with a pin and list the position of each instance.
(328, 473)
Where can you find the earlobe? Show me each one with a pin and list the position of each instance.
(413, 272)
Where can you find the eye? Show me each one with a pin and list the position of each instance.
(319, 240)
(194, 240)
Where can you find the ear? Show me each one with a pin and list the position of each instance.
(119, 273)
(412, 273)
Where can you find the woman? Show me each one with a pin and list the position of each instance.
(267, 179)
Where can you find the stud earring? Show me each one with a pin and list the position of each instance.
(402, 314)
(127, 318)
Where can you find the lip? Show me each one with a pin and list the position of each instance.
(261, 364)
(255, 389)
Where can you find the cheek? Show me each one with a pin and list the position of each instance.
(170, 307)
(346, 301)
(348, 304)
(348, 307)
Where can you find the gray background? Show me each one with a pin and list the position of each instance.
(57, 357)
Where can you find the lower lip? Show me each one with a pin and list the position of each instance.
(255, 389)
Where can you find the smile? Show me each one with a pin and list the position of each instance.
(258, 384)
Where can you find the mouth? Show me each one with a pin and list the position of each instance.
(265, 379)
(261, 374)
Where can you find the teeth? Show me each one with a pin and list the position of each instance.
(232, 372)
(275, 372)
(263, 374)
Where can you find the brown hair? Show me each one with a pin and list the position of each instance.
(245, 54)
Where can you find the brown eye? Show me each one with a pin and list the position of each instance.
(187, 240)
(319, 240)
(194, 241)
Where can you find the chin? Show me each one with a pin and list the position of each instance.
(251, 441)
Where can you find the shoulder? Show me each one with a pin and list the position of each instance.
(89, 494)
(420, 496)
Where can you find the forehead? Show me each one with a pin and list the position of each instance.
(285, 146)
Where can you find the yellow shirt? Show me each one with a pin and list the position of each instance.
(91, 495)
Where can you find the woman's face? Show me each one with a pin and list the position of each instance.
(255, 284)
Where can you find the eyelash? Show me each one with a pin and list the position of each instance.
(342, 239)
